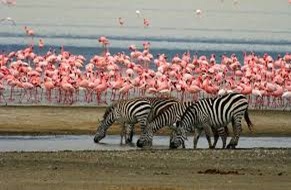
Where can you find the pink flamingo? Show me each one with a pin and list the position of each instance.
(104, 42)
(40, 43)
(124, 91)
(146, 22)
(9, 2)
(49, 86)
(102, 87)
(28, 87)
(30, 33)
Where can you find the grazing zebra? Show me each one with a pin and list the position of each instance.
(213, 113)
(166, 118)
(130, 112)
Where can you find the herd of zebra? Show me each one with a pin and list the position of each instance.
(211, 115)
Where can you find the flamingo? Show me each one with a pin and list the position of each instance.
(40, 43)
(146, 22)
(30, 33)
(104, 42)
(9, 2)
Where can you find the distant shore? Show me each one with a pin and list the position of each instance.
(52, 120)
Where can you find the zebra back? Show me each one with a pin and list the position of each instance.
(159, 104)
(217, 111)
(168, 116)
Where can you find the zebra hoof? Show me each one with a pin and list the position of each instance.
(230, 146)
(128, 141)
(173, 146)
(139, 144)
(96, 140)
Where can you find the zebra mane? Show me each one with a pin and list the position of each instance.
(108, 110)
(186, 110)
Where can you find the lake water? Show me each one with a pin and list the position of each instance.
(112, 142)
(223, 27)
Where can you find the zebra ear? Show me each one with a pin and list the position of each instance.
(98, 121)
(173, 126)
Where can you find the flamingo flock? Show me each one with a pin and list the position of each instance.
(64, 78)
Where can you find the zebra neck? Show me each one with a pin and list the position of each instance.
(108, 123)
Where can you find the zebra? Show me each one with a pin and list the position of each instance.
(169, 118)
(132, 111)
(166, 118)
(213, 113)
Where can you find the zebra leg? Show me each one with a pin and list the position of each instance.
(207, 130)
(122, 133)
(223, 133)
(197, 133)
(237, 129)
(129, 133)
(215, 135)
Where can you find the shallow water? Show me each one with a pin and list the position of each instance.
(112, 142)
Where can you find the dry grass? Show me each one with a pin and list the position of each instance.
(83, 120)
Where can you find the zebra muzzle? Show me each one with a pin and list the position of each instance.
(139, 143)
(173, 145)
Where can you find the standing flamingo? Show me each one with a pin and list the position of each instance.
(40, 43)
(104, 42)
(9, 2)
(30, 33)
(146, 22)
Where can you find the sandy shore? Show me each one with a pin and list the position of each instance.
(83, 120)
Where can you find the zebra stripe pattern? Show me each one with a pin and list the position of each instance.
(166, 118)
(130, 112)
(214, 113)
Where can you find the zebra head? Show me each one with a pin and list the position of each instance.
(108, 119)
(144, 142)
(146, 139)
(100, 132)
(178, 136)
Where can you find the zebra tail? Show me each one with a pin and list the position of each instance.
(249, 123)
